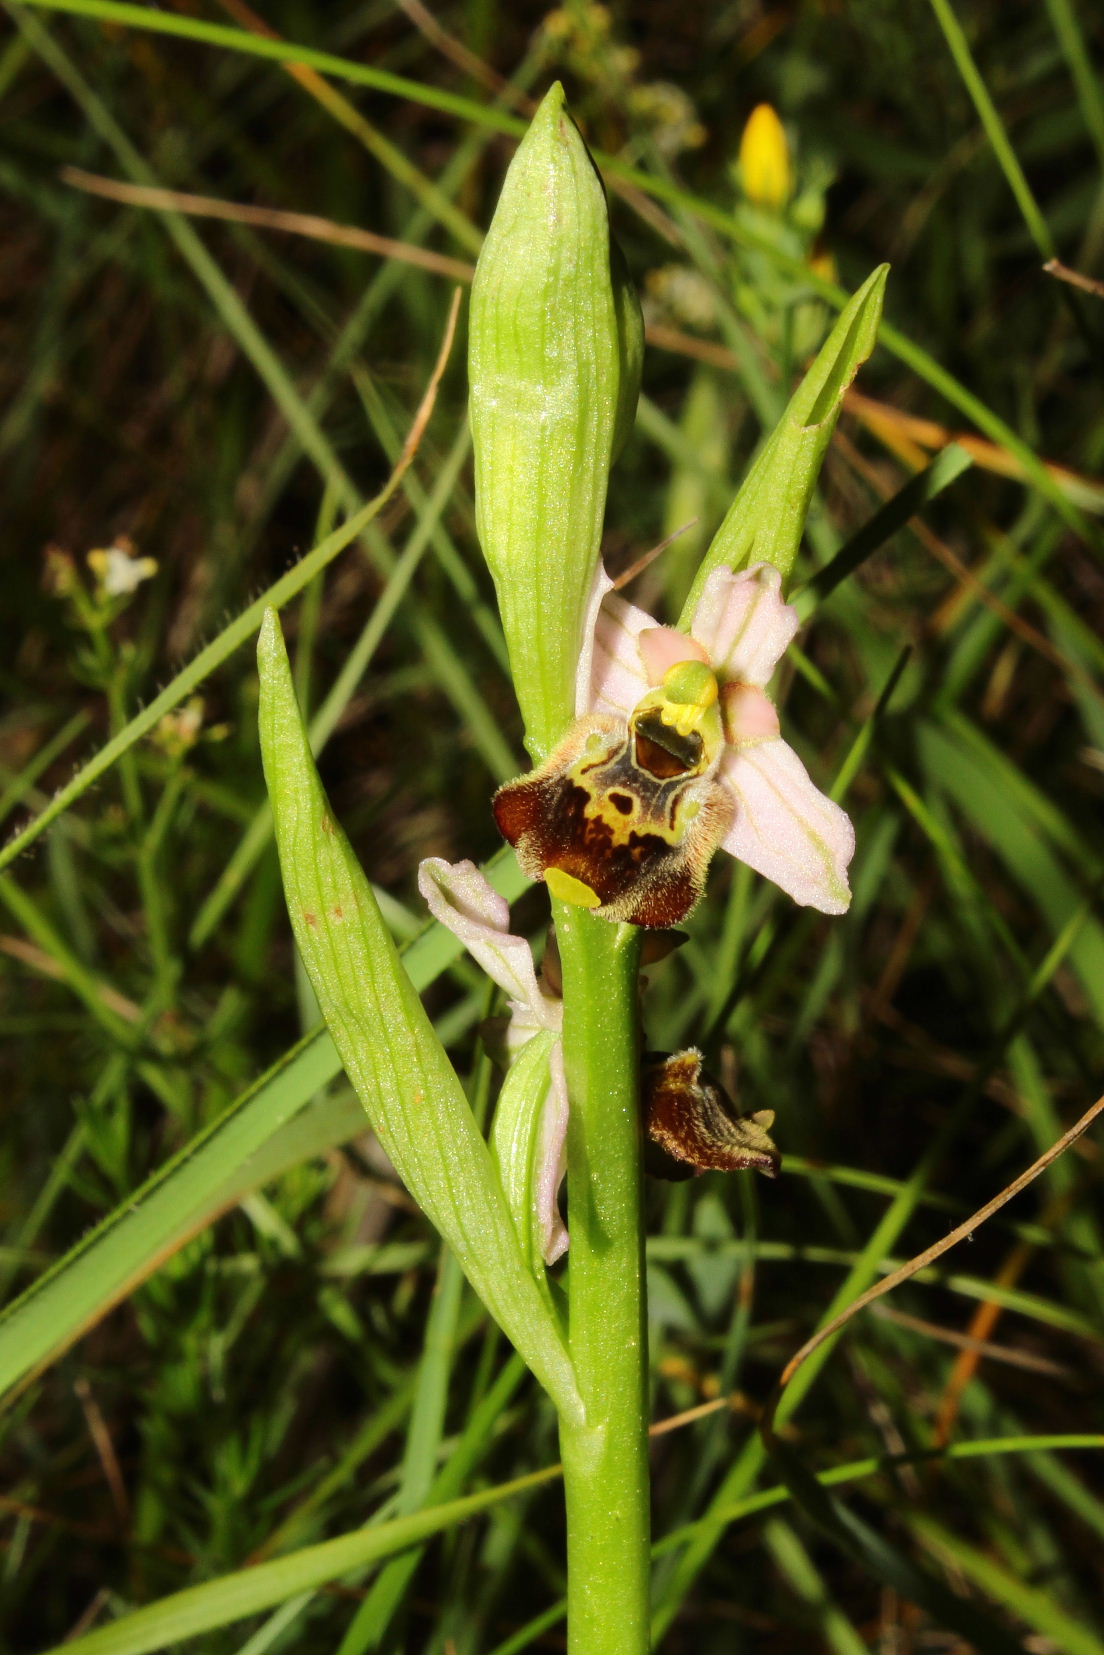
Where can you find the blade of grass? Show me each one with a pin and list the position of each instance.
(183, 1196)
(1034, 1306)
(267, 218)
(768, 1498)
(1029, 1603)
(20, 785)
(975, 778)
(1086, 77)
(913, 355)
(285, 52)
(875, 1553)
(105, 1005)
(244, 858)
(250, 1591)
(927, 485)
(794, 1562)
(368, 1626)
(382, 149)
(475, 1439)
(994, 128)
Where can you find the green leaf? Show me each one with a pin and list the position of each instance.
(272, 1125)
(906, 504)
(181, 1615)
(554, 361)
(1057, 1628)
(764, 522)
(393, 1058)
(515, 1140)
(874, 1552)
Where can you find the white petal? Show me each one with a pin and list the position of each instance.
(744, 624)
(458, 895)
(611, 677)
(785, 828)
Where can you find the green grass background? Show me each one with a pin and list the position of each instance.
(230, 1338)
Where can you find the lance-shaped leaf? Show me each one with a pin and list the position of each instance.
(764, 522)
(554, 361)
(391, 1054)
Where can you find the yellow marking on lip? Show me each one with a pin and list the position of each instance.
(569, 889)
(687, 700)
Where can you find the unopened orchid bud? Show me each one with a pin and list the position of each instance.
(556, 345)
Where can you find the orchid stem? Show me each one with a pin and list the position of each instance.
(605, 1458)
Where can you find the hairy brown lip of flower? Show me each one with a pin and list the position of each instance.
(622, 815)
(692, 1125)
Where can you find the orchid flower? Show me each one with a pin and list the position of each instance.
(676, 751)
(462, 899)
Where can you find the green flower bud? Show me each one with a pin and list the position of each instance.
(556, 342)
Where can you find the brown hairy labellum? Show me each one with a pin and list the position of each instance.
(692, 1125)
(622, 819)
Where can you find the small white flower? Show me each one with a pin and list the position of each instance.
(118, 572)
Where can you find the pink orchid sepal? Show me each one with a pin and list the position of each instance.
(529, 1134)
(676, 752)
(783, 826)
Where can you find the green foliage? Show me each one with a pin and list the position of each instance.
(764, 523)
(397, 1065)
(232, 1341)
(554, 365)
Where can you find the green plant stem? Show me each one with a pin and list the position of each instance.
(605, 1458)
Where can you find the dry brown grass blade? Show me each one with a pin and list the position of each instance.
(105, 1448)
(648, 558)
(310, 225)
(970, 1341)
(967, 580)
(30, 954)
(465, 60)
(337, 105)
(429, 397)
(887, 423)
(891, 425)
(928, 1257)
(1087, 284)
(982, 1325)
